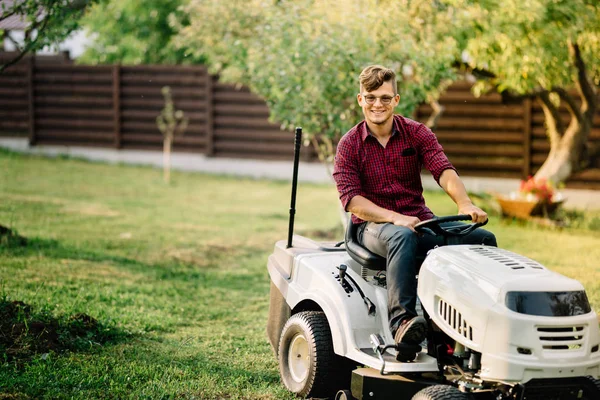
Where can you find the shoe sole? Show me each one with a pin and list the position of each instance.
(415, 332)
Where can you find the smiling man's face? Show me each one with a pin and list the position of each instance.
(374, 106)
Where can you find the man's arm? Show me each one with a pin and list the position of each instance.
(453, 185)
(366, 210)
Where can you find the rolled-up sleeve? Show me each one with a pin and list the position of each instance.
(434, 158)
(346, 171)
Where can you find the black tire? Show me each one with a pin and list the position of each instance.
(307, 335)
(441, 392)
(344, 395)
(592, 396)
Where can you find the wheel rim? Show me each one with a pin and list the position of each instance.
(298, 358)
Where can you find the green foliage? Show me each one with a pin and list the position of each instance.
(526, 44)
(133, 32)
(303, 57)
(170, 122)
(48, 22)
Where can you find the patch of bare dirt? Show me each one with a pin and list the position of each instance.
(9, 237)
(25, 332)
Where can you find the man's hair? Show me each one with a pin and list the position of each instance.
(372, 77)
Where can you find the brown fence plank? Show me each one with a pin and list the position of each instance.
(482, 136)
(177, 92)
(70, 123)
(31, 128)
(249, 134)
(116, 98)
(527, 137)
(254, 110)
(71, 77)
(129, 126)
(74, 101)
(73, 89)
(44, 133)
(483, 150)
(479, 110)
(480, 124)
(230, 121)
(139, 114)
(13, 91)
(50, 111)
(136, 80)
(158, 104)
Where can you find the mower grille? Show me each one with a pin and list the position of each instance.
(507, 258)
(561, 339)
(454, 319)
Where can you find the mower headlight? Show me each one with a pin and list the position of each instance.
(549, 304)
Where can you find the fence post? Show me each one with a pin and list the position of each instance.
(116, 92)
(527, 129)
(31, 99)
(210, 133)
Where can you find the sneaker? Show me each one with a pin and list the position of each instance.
(411, 331)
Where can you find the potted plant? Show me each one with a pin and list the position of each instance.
(535, 198)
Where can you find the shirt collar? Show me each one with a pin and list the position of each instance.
(364, 129)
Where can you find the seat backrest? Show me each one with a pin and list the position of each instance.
(359, 253)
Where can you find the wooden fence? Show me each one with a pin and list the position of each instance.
(117, 106)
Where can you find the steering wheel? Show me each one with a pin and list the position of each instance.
(433, 226)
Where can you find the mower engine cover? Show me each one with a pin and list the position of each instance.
(526, 321)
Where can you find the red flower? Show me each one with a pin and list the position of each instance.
(540, 188)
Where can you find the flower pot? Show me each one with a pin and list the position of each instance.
(526, 208)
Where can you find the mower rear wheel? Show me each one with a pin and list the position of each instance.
(307, 364)
(344, 395)
(441, 392)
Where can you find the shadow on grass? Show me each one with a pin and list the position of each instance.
(173, 270)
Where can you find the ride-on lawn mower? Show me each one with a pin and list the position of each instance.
(501, 326)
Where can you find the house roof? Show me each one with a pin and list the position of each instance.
(14, 22)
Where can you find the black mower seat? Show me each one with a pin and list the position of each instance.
(359, 253)
(364, 256)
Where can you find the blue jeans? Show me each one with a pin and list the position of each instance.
(404, 251)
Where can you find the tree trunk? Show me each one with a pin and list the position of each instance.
(167, 159)
(567, 155)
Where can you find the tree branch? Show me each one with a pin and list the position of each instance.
(586, 89)
(569, 100)
(13, 41)
(438, 110)
(10, 14)
(511, 97)
(556, 126)
(28, 47)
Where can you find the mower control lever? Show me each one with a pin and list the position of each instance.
(342, 268)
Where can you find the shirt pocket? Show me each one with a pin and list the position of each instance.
(408, 168)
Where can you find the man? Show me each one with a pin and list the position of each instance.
(377, 173)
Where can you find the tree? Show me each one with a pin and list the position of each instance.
(170, 123)
(48, 22)
(134, 32)
(303, 57)
(541, 49)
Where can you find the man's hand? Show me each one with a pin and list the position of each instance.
(476, 213)
(406, 221)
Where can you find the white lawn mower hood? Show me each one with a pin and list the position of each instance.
(464, 288)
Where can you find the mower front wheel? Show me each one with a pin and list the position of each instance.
(307, 364)
(441, 392)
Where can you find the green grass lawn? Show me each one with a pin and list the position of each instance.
(176, 274)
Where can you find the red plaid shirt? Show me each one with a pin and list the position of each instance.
(390, 177)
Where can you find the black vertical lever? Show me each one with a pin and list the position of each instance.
(297, 143)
